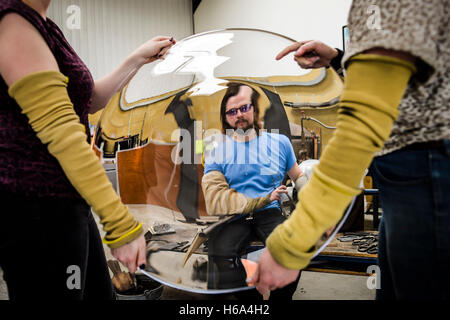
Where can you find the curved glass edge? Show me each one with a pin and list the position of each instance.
(194, 290)
(336, 230)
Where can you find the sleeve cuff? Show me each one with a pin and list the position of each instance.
(336, 62)
(124, 239)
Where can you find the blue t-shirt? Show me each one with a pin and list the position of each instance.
(254, 168)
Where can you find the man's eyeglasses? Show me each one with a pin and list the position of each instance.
(243, 109)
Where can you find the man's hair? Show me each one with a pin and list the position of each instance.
(233, 89)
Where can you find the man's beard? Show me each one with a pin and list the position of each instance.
(244, 130)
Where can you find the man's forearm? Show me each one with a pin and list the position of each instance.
(220, 199)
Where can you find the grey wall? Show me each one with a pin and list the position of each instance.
(104, 32)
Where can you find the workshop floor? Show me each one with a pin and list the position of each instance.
(312, 286)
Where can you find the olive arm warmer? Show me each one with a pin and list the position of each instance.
(44, 100)
(220, 199)
(373, 89)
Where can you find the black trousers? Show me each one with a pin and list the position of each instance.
(51, 249)
(228, 242)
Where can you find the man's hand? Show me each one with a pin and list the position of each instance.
(275, 195)
(131, 254)
(310, 54)
(270, 275)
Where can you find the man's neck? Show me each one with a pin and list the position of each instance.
(240, 135)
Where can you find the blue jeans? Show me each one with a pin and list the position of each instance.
(414, 232)
(225, 246)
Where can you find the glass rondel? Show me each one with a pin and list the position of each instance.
(154, 135)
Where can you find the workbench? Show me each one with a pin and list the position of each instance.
(343, 258)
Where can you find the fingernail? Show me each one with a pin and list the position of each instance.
(142, 266)
(171, 39)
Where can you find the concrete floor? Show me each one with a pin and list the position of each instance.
(312, 286)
